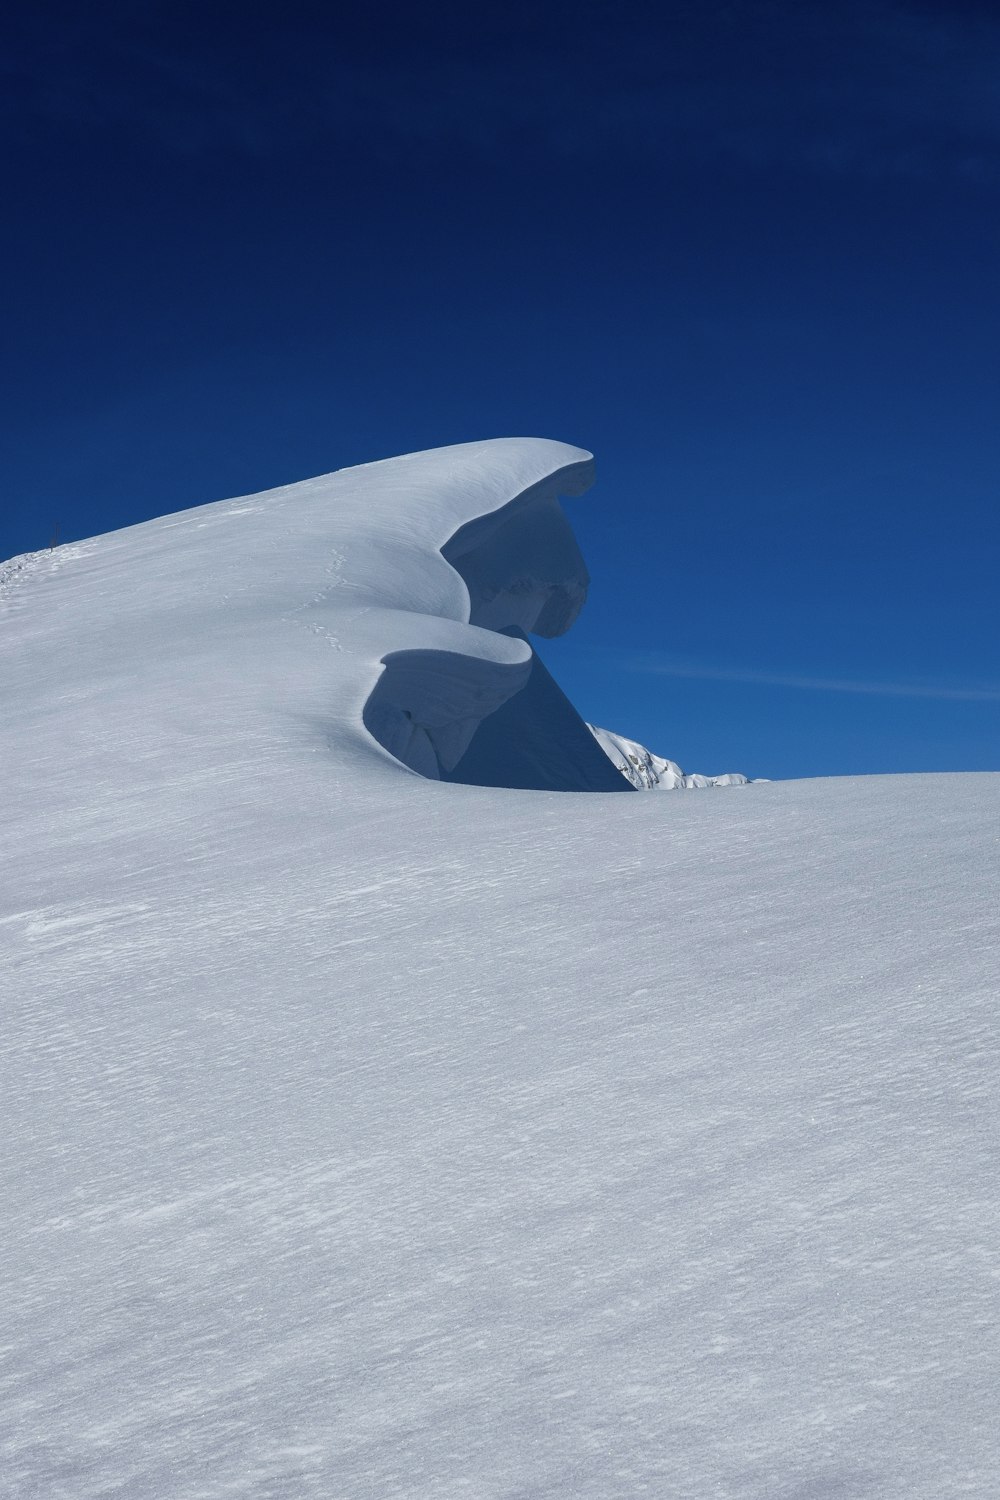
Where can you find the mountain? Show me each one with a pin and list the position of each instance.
(375, 1129)
(651, 773)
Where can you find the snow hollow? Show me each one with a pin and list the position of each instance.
(382, 1120)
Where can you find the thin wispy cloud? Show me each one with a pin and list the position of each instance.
(750, 676)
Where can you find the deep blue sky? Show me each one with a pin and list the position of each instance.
(745, 252)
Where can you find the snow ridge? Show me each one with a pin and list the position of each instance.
(424, 575)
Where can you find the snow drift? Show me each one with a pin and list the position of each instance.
(425, 574)
(368, 1135)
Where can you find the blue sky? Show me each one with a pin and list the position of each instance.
(745, 252)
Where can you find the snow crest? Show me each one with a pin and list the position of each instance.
(417, 580)
(387, 606)
(486, 712)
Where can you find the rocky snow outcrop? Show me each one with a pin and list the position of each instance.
(651, 773)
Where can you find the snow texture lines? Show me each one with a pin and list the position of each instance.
(392, 1138)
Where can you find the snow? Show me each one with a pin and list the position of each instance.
(652, 773)
(370, 1135)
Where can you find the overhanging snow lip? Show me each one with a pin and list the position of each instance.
(539, 581)
(546, 597)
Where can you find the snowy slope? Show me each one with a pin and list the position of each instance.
(368, 1135)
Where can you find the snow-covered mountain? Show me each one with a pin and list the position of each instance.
(651, 773)
(374, 1129)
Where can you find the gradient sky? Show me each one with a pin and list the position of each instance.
(747, 253)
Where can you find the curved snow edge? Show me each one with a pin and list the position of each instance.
(523, 572)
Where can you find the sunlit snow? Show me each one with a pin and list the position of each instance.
(652, 773)
(376, 1134)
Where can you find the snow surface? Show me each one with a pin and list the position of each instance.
(375, 1136)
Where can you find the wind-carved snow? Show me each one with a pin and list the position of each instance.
(370, 1136)
(652, 773)
(429, 573)
(17, 570)
(472, 718)
(489, 713)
